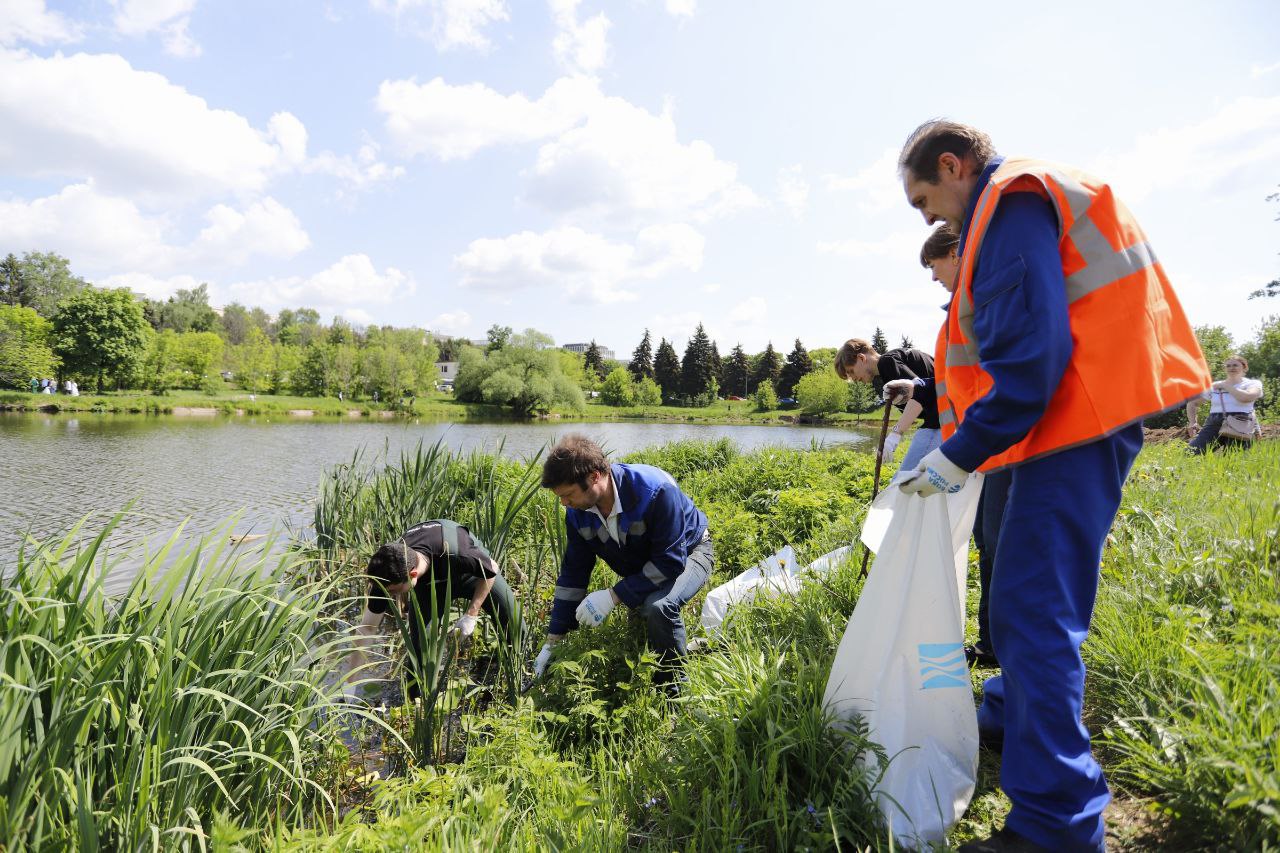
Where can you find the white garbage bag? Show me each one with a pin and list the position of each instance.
(962, 508)
(901, 666)
(827, 561)
(772, 575)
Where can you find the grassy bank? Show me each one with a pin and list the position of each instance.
(1183, 696)
(436, 406)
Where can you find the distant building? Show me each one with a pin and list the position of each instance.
(605, 352)
(448, 371)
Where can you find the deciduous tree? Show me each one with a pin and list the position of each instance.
(100, 334)
(24, 346)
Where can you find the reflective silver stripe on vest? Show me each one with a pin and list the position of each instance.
(653, 574)
(940, 387)
(638, 528)
(586, 532)
(1103, 263)
(569, 593)
(947, 415)
(963, 354)
(1112, 268)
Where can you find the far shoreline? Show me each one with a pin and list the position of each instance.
(439, 408)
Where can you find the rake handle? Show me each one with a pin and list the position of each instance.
(875, 485)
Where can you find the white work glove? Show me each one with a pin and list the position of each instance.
(898, 390)
(935, 473)
(541, 661)
(890, 444)
(465, 626)
(595, 608)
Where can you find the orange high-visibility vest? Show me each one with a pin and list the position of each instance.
(1134, 352)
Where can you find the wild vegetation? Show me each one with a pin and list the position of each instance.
(196, 711)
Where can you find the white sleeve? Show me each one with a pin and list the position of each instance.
(363, 640)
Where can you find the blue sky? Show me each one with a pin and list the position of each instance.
(592, 169)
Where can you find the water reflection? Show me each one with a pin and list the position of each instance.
(55, 469)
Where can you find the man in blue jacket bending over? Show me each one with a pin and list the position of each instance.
(637, 520)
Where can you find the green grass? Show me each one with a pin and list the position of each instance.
(1183, 695)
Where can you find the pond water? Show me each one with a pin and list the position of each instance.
(58, 469)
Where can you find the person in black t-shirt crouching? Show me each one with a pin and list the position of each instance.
(438, 560)
(857, 361)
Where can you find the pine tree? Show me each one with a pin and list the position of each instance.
(768, 367)
(642, 359)
(13, 289)
(737, 374)
(715, 365)
(695, 369)
(906, 342)
(879, 342)
(666, 369)
(797, 367)
(593, 361)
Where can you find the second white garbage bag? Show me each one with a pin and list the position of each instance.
(901, 666)
(772, 575)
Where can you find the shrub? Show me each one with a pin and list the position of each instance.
(765, 398)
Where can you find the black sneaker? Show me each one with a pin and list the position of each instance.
(1004, 841)
(978, 656)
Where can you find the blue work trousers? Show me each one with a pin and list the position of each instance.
(1043, 586)
(986, 534)
(661, 609)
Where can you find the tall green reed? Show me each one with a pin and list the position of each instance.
(129, 720)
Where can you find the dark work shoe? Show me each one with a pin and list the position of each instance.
(1004, 841)
(978, 656)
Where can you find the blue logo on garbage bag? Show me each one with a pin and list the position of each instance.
(943, 665)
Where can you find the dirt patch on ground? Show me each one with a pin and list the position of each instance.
(194, 412)
(301, 413)
(1164, 436)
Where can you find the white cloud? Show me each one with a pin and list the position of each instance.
(110, 235)
(750, 311)
(358, 172)
(877, 186)
(452, 23)
(1258, 70)
(713, 287)
(351, 282)
(170, 18)
(454, 122)
(624, 163)
(682, 8)
(1201, 156)
(607, 158)
(132, 132)
(99, 232)
(265, 228)
(455, 323)
(580, 47)
(793, 190)
(30, 21)
(904, 244)
(581, 263)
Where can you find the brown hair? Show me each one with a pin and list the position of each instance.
(943, 241)
(571, 461)
(391, 563)
(938, 136)
(1238, 357)
(848, 354)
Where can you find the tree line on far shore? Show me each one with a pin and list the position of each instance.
(54, 324)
